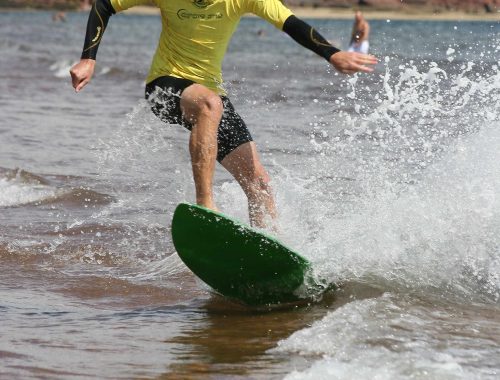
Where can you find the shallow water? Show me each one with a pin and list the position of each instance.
(389, 183)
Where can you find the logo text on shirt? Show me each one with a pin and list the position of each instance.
(184, 14)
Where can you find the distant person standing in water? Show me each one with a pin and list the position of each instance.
(59, 16)
(184, 84)
(360, 33)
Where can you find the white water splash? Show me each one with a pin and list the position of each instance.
(416, 201)
(16, 193)
(387, 338)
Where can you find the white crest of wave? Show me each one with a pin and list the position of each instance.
(381, 339)
(61, 68)
(16, 193)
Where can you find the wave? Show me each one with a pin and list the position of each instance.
(60, 69)
(22, 176)
(59, 254)
(117, 72)
(17, 193)
(97, 273)
(19, 187)
(390, 338)
(17, 254)
(78, 197)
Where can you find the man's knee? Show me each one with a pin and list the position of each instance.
(200, 102)
(208, 105)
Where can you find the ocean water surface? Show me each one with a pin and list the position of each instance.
(389, 183)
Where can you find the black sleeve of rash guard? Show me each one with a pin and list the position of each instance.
(305, 35)
(99, 15)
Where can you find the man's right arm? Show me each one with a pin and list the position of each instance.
(99, 15)
(82, 72)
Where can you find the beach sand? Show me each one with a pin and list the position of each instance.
(340, 13)
(347, 13)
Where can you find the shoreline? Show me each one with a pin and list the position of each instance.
(409, 14)
(348, 13)
(331, 13)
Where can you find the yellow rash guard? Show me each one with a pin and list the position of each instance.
(195, 34)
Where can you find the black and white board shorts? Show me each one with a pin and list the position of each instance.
(164, 94)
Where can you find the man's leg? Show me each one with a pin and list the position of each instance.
(244, 164)
(202, 108)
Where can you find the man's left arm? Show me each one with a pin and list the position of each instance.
(282, 18)
(345, 62)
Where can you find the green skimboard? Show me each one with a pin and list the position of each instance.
(238, 261)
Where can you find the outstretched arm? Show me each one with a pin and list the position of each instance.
(345, 62)
(82, 72)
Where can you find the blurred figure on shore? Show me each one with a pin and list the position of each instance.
(59, 16)
(360, 33)
(85, 5)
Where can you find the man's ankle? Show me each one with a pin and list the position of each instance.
(206, 202)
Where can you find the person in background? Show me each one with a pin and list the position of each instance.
(59, 16)
(360, 33)
(184, 84)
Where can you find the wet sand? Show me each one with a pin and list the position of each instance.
(345, 13)
(340, 13)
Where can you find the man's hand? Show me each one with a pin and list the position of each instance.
(81, 73)
(350, 62)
